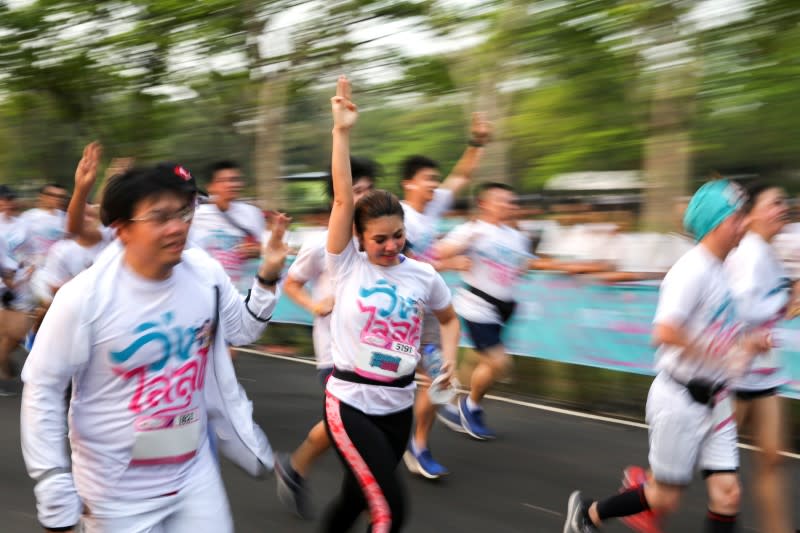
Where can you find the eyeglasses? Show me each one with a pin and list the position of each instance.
(161, 218)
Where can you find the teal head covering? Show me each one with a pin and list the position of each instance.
(711, 205)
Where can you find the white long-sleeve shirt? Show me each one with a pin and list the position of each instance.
(137, 352)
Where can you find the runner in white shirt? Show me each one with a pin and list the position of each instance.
(7, 268)
(703, 345)
(499, 256)
(425, 201)
(69, 257)
(88, 237)
(46, 222)
(310, 267)
(762, 291)
(141, 337)
(229, 230)
(18, 303)
(376, 324)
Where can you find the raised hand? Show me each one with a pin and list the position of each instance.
(275, 250)
(345, 112)
(481, 129)
(86, 172)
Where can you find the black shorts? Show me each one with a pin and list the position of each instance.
(484, 336)
(747, 395)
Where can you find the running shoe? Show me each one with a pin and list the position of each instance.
(646, 521)
(577, 519)
(423, 463)
(292, 491)
(472, 421)
(450, 417)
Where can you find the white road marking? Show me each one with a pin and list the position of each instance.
(531, 405)
(543, 509)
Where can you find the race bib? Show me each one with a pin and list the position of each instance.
(386, 364)
(166, 439)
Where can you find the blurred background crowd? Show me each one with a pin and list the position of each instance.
(607, 114)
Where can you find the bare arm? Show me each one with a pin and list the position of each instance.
(340, 225)
(750, 344)
(446, 250)
(85, 177)
(274, 251)
(461, 174)
(295, 290)
(451, 331)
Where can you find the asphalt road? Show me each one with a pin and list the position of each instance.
(518, 483)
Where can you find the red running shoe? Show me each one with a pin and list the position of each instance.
(646, 521)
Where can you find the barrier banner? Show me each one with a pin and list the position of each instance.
(574, 319)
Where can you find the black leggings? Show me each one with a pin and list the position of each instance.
(370, 447)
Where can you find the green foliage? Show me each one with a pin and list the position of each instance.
(578, 76)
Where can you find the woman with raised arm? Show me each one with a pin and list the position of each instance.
(375, 327)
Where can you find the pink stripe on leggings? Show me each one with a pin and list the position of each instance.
(381, 515)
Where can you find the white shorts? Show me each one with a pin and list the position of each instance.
(201, 507)
(686, 436)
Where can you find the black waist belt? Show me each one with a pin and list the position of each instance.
(701, 390)
(352, 377)
(504, 309)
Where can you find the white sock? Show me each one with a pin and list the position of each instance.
(414, 448)
(472, 406)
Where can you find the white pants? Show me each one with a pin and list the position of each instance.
(686, 435)
(201, 507)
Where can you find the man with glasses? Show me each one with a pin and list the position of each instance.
(226, 228)
(141, 336)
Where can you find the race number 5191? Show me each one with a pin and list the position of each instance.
(400, 347)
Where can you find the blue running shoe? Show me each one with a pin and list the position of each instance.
(473, 422)
(450, 417)
(423, 463)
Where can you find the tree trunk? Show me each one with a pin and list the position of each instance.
(268, 153)
(667, 154)
(494, 165)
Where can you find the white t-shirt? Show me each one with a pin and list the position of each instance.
(309, 267)
(65, 260)
(5, 261)
(20, 259)
(45, 228)
(761, 289)
(421, 228)
(15, 232)
(499, 257)
(695, 295)
(376, 326)
(213, 232)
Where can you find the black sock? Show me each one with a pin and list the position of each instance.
(625, 503)
(720, 523)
